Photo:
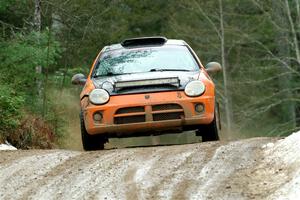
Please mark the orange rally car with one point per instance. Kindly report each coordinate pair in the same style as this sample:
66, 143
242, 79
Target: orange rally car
147, 86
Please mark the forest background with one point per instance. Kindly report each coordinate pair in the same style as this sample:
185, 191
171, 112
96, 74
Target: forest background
44, 42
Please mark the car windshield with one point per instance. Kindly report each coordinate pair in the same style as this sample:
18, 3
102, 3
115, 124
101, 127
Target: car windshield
150, 59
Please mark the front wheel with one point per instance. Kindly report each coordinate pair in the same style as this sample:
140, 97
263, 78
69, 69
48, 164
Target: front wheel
209, 132
90, 142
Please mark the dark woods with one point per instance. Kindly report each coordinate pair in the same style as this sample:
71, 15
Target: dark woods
44, 42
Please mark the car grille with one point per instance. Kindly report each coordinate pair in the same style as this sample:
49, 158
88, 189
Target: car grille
138, 114
129, 119
167, 116
131, 110
166, 107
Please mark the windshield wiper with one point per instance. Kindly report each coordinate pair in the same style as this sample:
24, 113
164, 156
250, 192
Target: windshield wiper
162, 70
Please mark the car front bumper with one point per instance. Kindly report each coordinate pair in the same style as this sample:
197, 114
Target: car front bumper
126, 114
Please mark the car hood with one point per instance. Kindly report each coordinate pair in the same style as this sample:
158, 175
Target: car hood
109, 82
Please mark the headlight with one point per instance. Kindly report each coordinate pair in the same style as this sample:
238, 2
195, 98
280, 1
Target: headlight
99, 96
194, 88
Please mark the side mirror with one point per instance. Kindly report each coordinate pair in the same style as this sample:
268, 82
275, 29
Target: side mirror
78, 79
213, 67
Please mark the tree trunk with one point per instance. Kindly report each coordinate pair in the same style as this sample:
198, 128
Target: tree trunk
37, 16
37, 27
293, 30
225, 80
283, 47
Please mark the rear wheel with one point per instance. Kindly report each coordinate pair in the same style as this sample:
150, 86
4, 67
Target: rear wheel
90, 142
209, 132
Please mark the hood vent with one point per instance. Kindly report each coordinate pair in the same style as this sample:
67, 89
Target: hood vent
144, 41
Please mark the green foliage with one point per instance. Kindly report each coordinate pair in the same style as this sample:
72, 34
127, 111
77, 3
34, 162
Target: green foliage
20, 56
4, 5
12, 15
10, 110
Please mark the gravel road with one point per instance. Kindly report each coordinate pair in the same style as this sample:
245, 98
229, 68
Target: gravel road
258, 168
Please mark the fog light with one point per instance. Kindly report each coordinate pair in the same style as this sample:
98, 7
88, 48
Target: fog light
98, 116
199, 108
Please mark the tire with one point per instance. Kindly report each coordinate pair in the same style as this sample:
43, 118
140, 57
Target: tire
209, 132
90, 142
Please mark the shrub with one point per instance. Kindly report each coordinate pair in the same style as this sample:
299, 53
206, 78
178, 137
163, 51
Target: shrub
32, 132
10, 110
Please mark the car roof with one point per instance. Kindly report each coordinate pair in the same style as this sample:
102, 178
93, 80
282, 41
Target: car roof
119, 46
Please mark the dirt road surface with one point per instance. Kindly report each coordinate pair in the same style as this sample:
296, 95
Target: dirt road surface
258, 168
